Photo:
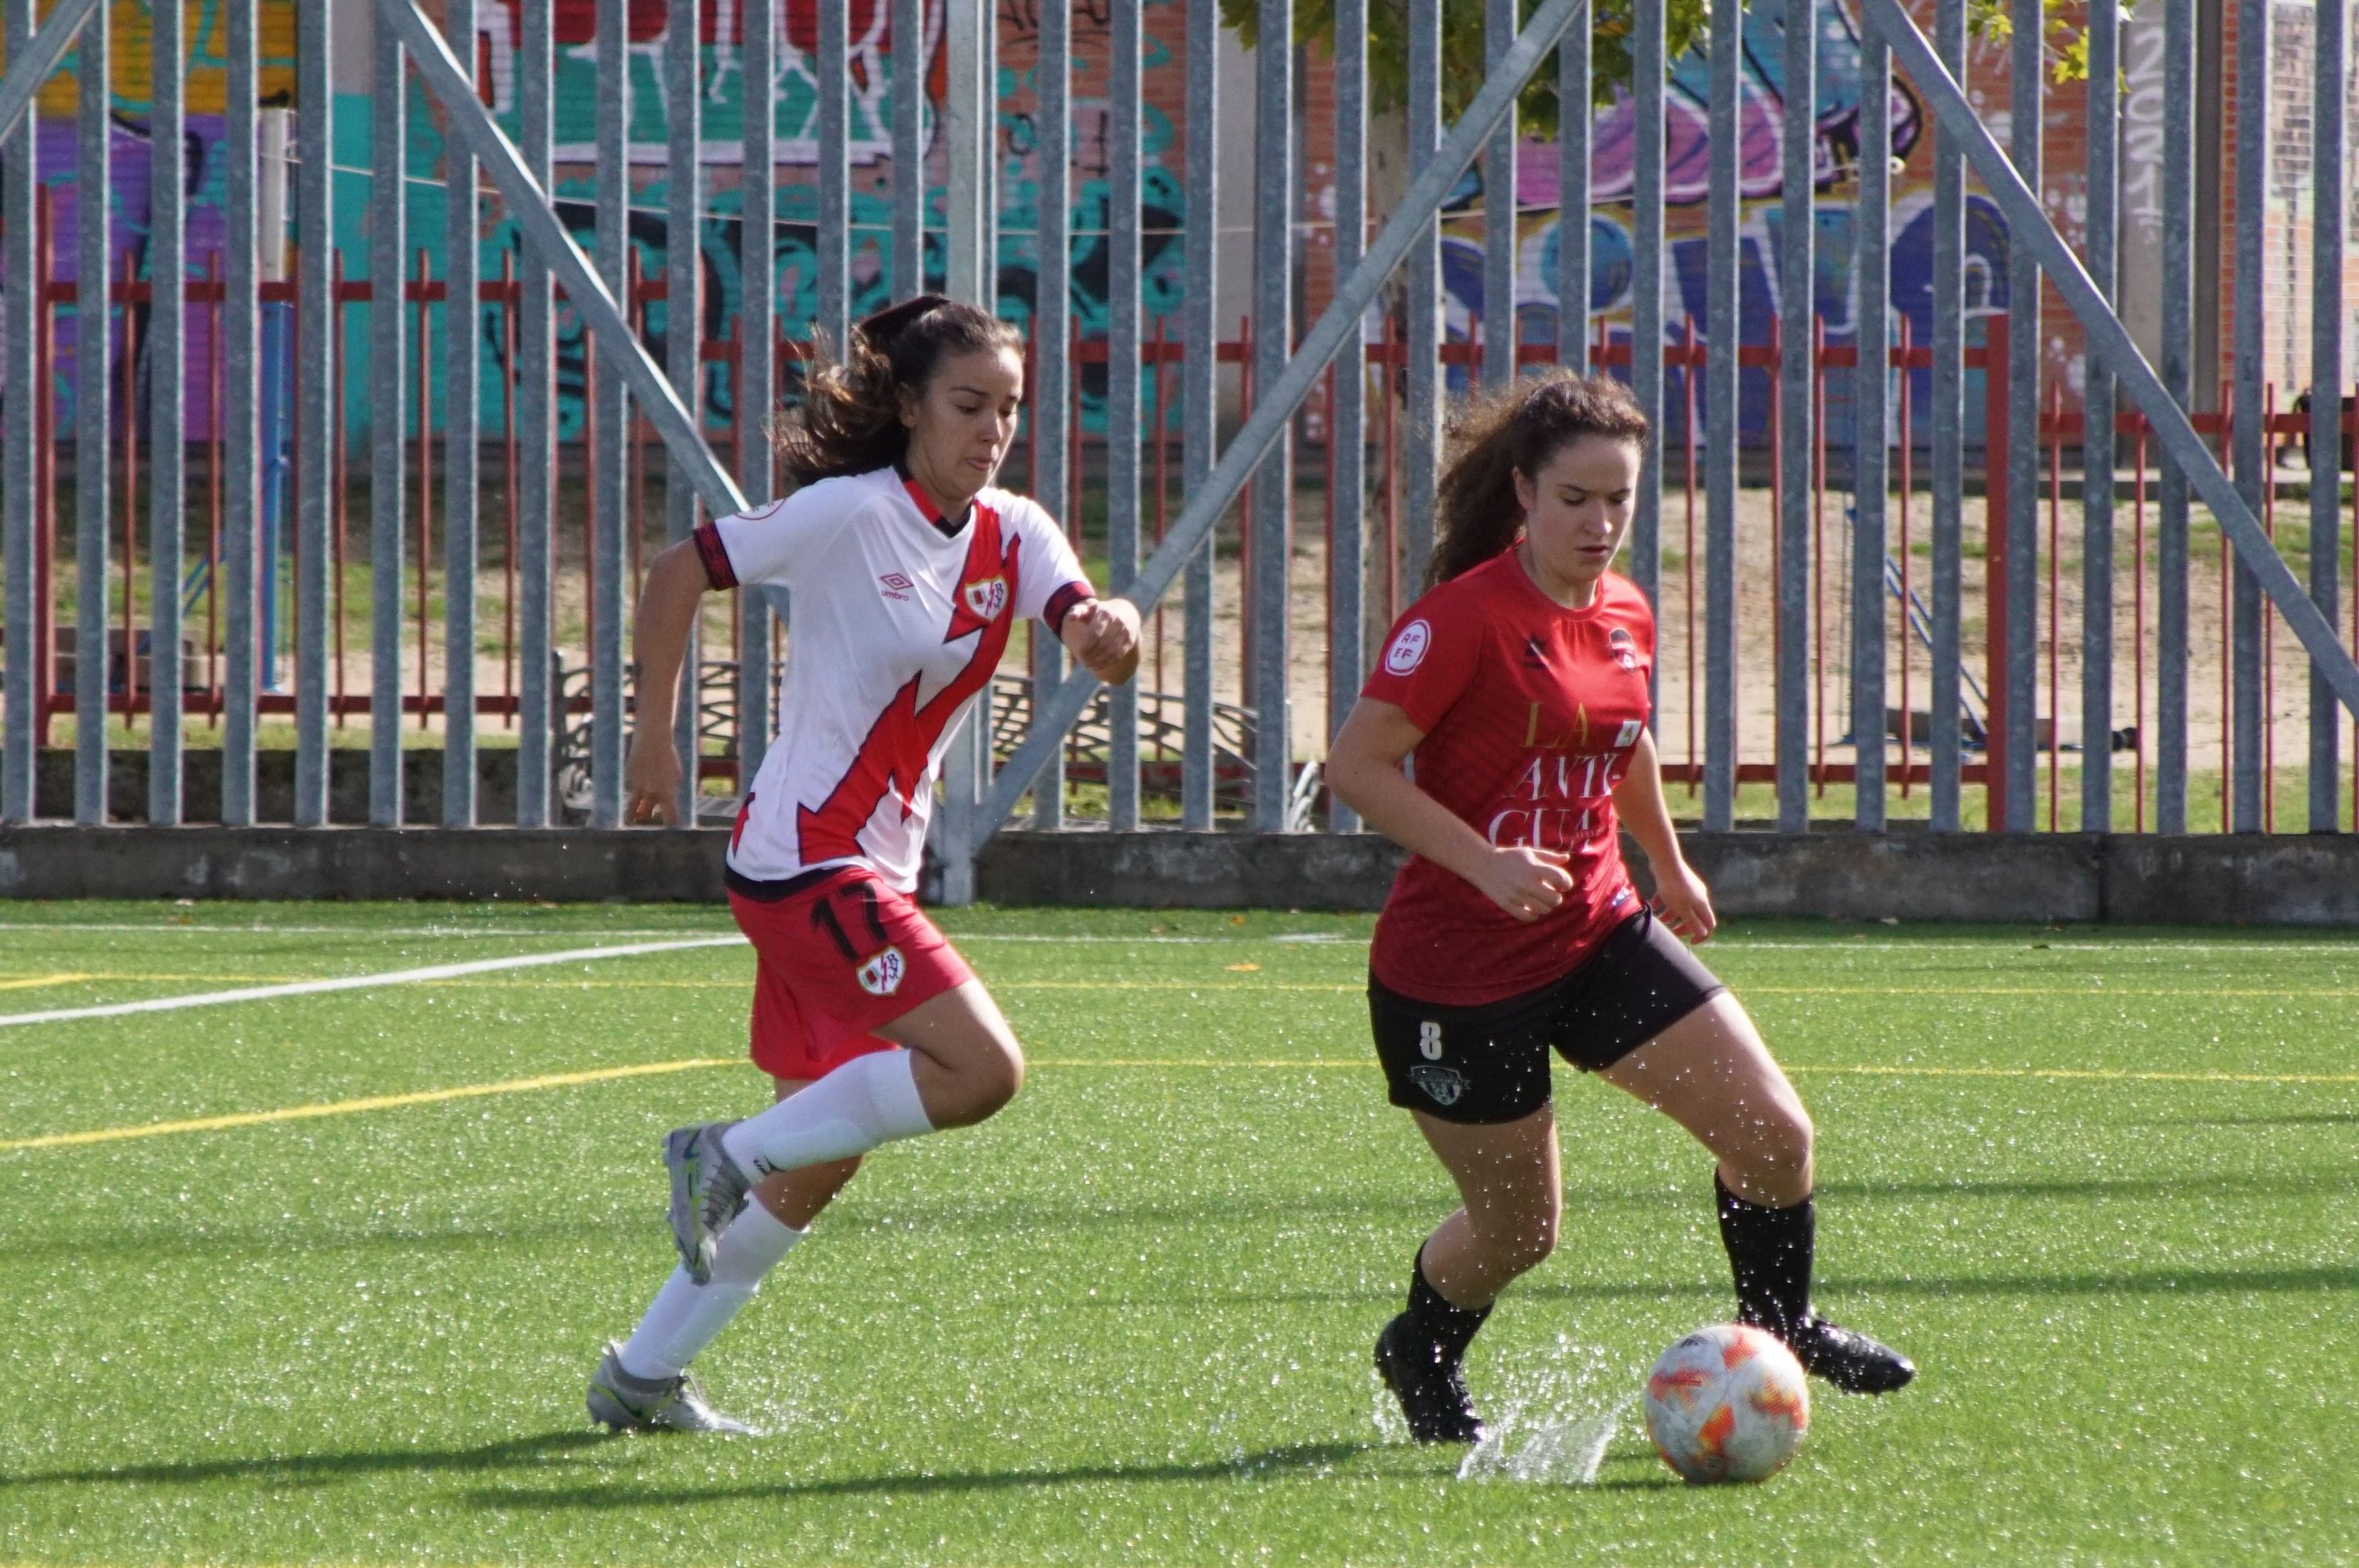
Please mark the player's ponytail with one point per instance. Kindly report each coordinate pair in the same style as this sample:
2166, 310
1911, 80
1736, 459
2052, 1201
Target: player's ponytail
1496, 435
849, 420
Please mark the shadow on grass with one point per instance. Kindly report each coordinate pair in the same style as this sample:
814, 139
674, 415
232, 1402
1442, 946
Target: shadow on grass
1269, 1463
2292, 1183
315, 1469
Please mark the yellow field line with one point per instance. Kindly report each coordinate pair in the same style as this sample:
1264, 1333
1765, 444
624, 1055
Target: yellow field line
649, 1069
371, 1102
34, 982
2103, 1074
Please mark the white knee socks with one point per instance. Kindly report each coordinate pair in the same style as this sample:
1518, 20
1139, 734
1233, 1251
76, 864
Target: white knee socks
687, 1317
869, 1100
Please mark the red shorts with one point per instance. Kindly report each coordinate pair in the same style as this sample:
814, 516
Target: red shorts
838, 960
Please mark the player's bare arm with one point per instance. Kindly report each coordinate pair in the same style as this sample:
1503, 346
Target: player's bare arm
1679, 894
676, 585
1103, 635
1363, 770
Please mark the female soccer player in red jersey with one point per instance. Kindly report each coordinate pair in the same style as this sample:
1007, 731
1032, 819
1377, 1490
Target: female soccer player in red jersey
909, 570
1520, 685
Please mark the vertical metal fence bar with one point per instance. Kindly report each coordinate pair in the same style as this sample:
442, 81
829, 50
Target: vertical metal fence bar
1946, 417
314, 405
2097, 434
834, 260
1498, 210
966, 128
758, 334
684, 345
1870, 384
1124, 103
1198, 402
17, 263
609, 428
2019, 629
93, 337
1647, 65
388, 402
909, 144
2178, 371
2249, 438
1348, 419
1421, 377
1794, 369
461, 445
1574, 121
1273, 483
241, 415
537, 473
2331, 200
1723, 328
167, 358
1052, 334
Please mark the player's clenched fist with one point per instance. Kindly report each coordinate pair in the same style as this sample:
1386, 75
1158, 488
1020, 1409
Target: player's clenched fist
1102, 634
651, 776
1527, 883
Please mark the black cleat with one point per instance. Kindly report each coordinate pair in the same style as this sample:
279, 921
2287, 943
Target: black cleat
1851, 1362
1432, 1393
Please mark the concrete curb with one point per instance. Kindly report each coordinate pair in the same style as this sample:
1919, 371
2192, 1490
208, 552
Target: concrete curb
568, 865
1914, 877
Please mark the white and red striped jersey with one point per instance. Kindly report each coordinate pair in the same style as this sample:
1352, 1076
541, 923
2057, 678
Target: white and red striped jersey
895, 627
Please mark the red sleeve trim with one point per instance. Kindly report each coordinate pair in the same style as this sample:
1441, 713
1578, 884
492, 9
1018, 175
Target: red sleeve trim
715, 557
1060, 604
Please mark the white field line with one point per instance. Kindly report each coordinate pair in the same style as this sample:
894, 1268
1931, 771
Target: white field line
2129, 946
360, 982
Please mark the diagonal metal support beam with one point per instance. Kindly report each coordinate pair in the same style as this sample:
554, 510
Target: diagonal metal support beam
2028, 223
1337, 324
553, 246
29, 69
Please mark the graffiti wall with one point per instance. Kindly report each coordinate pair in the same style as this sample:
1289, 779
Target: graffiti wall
876, 75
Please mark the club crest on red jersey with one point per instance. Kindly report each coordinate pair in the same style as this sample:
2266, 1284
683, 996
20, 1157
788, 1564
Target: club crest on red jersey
1623, 646
881, 976
986, 599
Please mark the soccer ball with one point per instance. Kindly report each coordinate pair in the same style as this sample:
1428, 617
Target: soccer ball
1727, 1403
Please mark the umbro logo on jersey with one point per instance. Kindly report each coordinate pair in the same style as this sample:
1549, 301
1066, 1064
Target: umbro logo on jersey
986, 599
895, 585
1535, 657
881, 976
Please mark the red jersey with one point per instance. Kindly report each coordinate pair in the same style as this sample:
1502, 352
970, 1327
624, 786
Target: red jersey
1530, 712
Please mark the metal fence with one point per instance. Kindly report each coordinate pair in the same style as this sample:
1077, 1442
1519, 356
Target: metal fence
1818, 619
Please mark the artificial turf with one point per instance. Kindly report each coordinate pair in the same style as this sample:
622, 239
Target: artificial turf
2099, 1183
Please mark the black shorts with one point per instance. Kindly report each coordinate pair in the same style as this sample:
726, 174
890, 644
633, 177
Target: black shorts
1489, 1061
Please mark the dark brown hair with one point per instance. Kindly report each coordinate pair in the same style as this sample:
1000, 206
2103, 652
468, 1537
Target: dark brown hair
849, 420
1496, 434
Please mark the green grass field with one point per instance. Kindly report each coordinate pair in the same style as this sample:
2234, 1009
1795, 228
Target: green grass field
2100, 1184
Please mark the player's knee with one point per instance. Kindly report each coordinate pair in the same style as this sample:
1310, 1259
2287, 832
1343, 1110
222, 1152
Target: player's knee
985, 1081
1521, 1241
1775, 1154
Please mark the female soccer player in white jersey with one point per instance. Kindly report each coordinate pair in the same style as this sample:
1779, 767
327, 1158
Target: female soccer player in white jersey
909, 570
1519, 681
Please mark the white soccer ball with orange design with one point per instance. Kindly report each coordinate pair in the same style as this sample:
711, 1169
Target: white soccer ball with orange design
1727, 1403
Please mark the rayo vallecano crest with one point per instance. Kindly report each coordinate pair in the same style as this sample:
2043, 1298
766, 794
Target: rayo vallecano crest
986, 599
881, 976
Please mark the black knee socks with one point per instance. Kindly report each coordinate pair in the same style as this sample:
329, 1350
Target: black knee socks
1435, 1322
1770, 1252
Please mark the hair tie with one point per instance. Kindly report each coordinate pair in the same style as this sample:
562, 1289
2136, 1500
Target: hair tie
879, 330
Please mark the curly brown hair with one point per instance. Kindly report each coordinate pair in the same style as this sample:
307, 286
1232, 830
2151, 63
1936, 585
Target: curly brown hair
1495, 435
849, 420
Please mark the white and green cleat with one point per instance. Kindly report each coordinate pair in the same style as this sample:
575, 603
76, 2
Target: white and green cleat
708, 1189
626, 1404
